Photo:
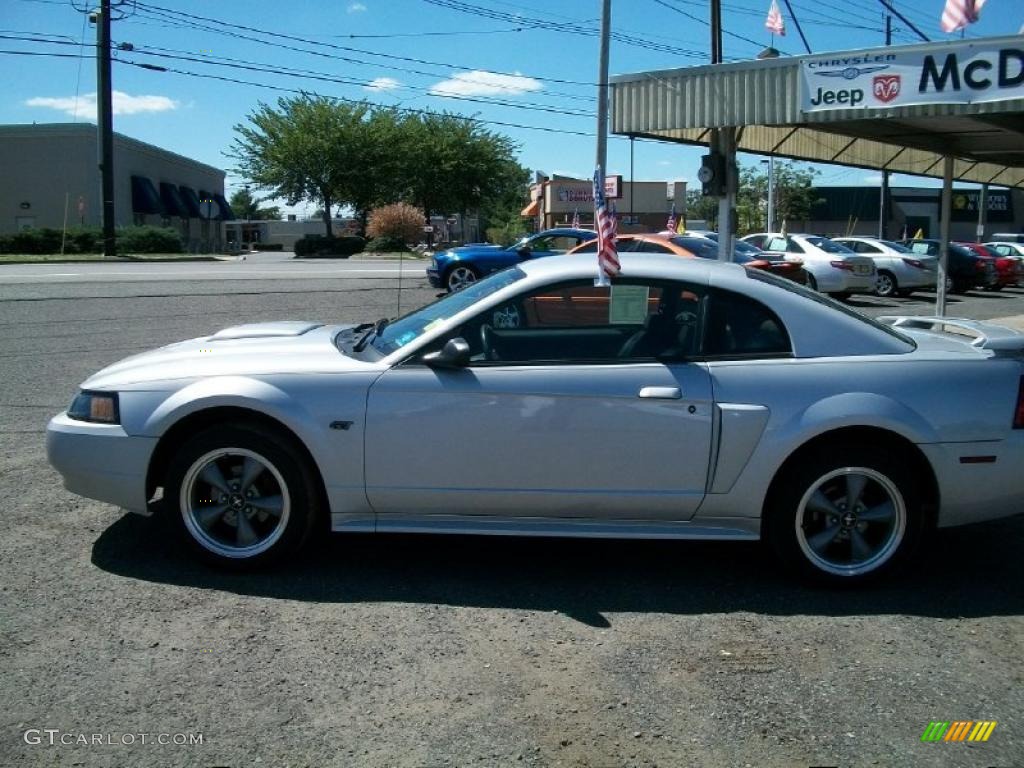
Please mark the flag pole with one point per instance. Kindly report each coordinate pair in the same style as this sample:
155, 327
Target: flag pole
602, 125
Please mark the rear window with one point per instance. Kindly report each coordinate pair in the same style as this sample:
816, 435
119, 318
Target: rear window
807, 293
895, 246
828, 246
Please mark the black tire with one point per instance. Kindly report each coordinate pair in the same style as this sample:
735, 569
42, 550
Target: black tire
819, 541
812, 283
887, 285
279, 505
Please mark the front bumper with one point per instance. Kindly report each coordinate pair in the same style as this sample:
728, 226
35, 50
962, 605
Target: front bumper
100, 461
434, 277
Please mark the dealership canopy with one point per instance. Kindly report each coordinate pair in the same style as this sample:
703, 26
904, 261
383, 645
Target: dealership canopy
902, 108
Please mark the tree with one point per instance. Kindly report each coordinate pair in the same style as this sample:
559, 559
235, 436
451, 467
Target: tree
247, 207
700, 207
794, 194
308, 148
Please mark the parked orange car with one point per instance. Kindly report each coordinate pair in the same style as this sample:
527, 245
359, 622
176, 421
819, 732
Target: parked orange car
693, 246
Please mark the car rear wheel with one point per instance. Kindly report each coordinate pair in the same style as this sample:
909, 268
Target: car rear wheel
459, 276
845, 517
811, 282
886, 284
241, 495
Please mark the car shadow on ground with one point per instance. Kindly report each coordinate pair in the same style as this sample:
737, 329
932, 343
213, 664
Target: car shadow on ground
963, 572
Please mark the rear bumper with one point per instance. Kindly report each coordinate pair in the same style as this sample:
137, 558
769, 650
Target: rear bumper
100, 461
973, 492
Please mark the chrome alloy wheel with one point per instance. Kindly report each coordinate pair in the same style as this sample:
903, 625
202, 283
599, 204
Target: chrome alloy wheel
851, 521
885, 285
460, 277
234, 502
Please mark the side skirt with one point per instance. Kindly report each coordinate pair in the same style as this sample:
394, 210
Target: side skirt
721, 529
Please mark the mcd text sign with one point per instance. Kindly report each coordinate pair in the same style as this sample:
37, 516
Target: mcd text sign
958, 73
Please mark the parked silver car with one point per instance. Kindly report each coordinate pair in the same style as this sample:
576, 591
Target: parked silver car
690, 399
900, 270
831, 268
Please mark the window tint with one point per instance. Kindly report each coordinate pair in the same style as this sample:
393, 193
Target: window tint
861, 247
580, 322
741, 326
827, 245
896, 246
699, 246
648, 246
555, 243
794, 247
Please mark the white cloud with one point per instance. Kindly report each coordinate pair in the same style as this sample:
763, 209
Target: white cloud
665, 162
123, 104
873, 179
356, 8
382, 84
479, 83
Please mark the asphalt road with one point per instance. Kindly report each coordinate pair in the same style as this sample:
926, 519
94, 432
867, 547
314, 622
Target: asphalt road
425, 651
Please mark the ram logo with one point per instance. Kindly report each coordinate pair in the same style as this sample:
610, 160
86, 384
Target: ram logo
886, 87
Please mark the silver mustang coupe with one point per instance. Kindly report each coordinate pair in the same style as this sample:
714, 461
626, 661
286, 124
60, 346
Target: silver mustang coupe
690, 399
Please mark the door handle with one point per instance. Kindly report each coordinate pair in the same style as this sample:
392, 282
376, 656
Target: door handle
661, 393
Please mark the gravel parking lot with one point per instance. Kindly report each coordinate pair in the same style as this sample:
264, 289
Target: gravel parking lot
405, 651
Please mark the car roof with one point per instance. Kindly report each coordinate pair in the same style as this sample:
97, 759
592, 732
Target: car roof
564, 231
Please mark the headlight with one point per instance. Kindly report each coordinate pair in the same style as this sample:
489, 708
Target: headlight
100, 407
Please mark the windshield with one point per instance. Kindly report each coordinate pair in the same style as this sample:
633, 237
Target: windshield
400, 332
698, 246
828, 246
748, 249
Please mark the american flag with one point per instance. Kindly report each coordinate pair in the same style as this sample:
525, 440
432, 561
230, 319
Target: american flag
959, 13
671, 224
576, 219
605, 224
775, 23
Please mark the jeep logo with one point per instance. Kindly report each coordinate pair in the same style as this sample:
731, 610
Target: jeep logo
851, 97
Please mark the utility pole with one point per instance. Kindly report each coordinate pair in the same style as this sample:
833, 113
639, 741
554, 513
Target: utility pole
982, 212
602, 87
105, 127
883, 218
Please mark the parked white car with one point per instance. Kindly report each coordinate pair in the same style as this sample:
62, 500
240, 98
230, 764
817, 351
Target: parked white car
831, 268
900, 270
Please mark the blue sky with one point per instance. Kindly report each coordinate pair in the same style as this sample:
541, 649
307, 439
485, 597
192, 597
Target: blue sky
538, 59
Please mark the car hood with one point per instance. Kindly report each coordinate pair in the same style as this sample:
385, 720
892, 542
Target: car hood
467, 251
294, 347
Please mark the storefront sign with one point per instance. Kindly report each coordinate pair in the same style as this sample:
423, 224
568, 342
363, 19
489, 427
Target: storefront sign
583, 191
960, 73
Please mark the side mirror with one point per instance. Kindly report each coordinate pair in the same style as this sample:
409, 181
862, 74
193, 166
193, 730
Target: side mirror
454, 354
524, 252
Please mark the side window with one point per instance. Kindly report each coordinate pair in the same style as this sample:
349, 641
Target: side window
646, 246
776, 244
583, 323
756, 240
794, 247
740, 326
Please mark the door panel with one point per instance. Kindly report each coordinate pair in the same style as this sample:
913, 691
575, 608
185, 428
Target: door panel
555, 440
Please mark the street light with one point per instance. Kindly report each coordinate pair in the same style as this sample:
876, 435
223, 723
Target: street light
770, 162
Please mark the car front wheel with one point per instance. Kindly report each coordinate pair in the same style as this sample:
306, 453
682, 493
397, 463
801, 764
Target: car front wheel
845, 517
241, 495
460, 276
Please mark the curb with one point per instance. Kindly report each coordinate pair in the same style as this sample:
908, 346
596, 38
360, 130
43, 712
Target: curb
120, 260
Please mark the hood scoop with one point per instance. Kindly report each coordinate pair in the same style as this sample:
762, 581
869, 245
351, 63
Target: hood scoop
282, 328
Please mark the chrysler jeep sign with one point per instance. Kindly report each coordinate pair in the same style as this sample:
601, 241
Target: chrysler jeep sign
953, 74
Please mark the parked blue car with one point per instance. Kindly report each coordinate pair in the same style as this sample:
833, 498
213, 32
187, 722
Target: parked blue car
458, 267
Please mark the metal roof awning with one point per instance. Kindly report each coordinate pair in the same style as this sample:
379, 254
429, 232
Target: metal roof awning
172, 201
902, 108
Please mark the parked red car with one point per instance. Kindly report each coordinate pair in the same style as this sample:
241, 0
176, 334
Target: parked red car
1007, 269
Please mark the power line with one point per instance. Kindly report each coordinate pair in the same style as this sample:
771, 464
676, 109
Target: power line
159, 12
708, 23
903, 18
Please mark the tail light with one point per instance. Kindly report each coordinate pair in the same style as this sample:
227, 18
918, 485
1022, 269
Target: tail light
843, 265
758, 264
914, 263
1018, 414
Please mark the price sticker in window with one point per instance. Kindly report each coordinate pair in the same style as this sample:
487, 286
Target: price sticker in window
629, 304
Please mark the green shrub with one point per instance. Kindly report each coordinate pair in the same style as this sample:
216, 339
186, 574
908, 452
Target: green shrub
317, 246
148, 239
32, 241
386, 244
